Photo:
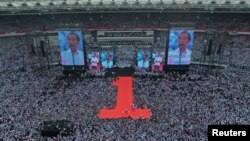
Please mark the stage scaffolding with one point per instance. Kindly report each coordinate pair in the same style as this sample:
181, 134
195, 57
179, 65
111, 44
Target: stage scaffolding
42, 50
211, 53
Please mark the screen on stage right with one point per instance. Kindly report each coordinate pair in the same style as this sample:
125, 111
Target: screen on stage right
180, 47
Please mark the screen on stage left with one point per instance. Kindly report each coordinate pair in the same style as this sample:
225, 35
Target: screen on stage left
180, 47
71, 48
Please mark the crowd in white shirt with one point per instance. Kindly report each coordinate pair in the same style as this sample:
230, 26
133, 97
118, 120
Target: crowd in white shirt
182, 105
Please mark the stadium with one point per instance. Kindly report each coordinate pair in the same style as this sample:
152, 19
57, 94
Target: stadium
81, 70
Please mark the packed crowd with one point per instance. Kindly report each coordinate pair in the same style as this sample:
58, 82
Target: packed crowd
125, 56
234, 50
182, 105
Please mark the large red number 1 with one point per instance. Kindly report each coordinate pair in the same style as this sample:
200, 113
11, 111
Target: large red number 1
124, 102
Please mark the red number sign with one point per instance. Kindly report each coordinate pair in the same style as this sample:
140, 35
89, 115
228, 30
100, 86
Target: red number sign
124, 102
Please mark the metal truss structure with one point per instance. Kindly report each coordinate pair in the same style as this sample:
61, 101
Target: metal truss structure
13, 7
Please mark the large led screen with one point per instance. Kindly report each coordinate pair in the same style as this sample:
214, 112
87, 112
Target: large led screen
143, 59
94, 61
107, 59
71, 48
158, 60
180, 47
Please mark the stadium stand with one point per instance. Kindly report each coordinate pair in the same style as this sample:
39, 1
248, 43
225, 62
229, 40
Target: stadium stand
182, 104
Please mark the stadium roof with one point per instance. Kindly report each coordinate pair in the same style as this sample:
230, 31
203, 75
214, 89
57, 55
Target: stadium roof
45, 6
32, 2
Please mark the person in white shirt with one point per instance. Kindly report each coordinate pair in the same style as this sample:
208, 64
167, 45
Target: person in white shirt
181, 55
158, 62
108, 62
143, 63
95, 62
73, 56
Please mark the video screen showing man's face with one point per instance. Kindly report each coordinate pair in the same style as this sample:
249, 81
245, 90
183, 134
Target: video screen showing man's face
71, 47
180, 47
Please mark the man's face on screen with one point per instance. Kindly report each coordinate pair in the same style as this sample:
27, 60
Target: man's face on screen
73, 42
183, 40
